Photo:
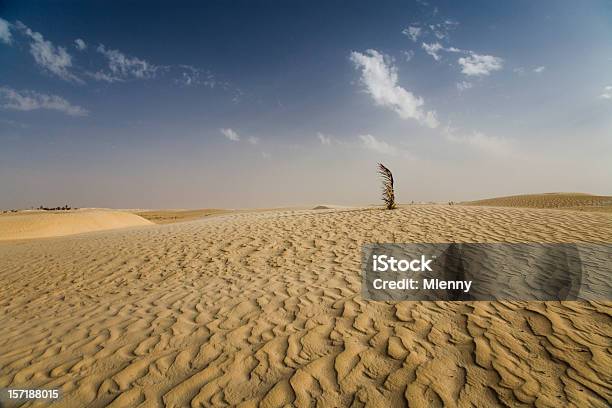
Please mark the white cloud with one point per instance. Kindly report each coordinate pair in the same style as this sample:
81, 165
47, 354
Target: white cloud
539, 69
408, 55
104, 76
124, 67
31, 100
325, 140
498, 146
480, 65
266, 155
192, 76
253, 140
453, 49
52, 58
464, 85
5, 32
80, 45
230, 134
371, 143
433, 50
440, 35
607, 94
380, 80
441, 30
119, 66
413, 32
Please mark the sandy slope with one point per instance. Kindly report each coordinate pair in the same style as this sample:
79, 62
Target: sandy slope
249, 308
41, 224
570, 201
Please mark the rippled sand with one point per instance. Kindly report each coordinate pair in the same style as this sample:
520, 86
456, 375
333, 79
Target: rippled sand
570, 201
265, 308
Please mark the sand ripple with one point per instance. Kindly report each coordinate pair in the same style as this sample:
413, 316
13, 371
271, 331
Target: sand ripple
251, 309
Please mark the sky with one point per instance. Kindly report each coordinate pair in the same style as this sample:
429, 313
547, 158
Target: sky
240, 104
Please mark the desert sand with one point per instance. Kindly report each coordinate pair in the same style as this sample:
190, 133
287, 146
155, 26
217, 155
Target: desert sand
566, 201
41, 224
171, 216
265, 308
180, 215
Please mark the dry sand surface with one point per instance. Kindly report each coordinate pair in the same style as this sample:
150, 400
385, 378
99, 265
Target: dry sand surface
41, 224
265, 308
170, 216
567, 201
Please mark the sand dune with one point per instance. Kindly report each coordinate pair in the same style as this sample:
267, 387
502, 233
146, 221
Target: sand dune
265, 308
568, 201
43, 224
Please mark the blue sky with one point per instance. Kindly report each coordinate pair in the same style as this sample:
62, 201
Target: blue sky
242, 104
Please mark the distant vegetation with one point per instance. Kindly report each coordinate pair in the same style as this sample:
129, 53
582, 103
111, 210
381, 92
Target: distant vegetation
43, 208
64, 208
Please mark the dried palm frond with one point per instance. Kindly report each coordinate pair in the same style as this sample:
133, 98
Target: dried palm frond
388, 195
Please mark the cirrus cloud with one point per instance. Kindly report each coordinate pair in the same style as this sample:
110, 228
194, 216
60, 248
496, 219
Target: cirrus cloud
123, 66
463, 86
414, 32
192, 76
30, 100
116, 65
51, 58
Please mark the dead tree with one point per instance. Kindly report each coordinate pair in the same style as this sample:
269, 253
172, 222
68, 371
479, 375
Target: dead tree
388, 194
